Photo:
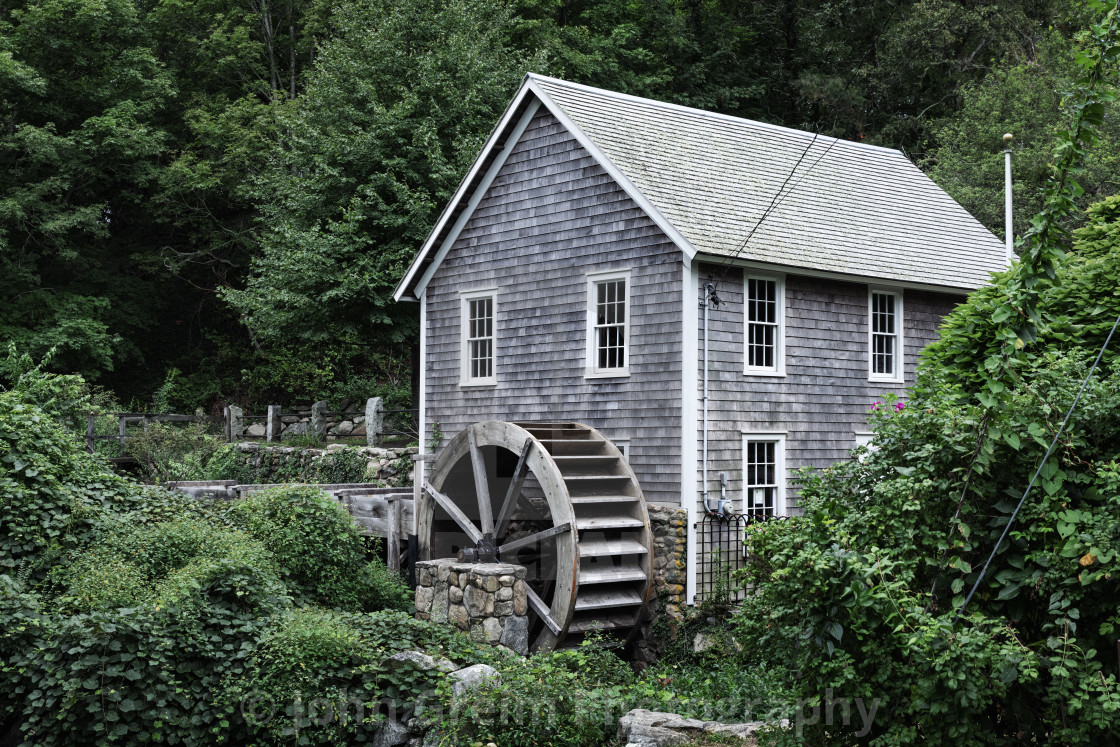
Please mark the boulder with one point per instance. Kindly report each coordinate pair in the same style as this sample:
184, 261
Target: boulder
417, 660
642, 728
469, 678
256, 430
391, 734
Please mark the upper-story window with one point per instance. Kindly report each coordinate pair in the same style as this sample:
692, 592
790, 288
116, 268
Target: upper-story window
764, 328
478, 338
885, 335
608, 305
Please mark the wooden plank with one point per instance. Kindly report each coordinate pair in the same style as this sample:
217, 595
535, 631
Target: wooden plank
610, 575
532, 539
609, 522
605, 547
514, 492
538, 606
481, 484
594, 600
454, 512
394, 539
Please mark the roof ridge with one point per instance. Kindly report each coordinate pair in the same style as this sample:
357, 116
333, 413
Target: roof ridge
630, 98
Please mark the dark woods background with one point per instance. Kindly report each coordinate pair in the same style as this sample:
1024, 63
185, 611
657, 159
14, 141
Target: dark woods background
206, 201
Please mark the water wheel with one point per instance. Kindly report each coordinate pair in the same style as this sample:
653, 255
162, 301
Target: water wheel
557, 498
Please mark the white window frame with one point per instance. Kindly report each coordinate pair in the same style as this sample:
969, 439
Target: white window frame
779, 367
780, 477
465, 378
898, 375
593, 281
623, 445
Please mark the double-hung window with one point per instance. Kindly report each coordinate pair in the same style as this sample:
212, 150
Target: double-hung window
764, 309
763, 474
885, 335
478, 334
608, 306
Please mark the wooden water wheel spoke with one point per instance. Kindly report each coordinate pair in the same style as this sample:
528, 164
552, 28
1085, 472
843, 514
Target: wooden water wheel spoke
516, 484
543, 612
532, 539
481, 485
572, 514
453, 511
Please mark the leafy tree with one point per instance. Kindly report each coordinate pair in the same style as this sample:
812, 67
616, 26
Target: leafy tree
396, 108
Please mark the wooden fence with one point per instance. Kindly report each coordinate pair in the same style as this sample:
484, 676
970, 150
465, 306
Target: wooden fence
380, 423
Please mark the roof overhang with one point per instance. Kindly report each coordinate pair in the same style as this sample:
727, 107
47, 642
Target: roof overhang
530, 97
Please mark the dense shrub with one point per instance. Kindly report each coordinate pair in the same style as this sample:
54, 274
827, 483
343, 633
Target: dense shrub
861, 595
319, 549
560, 698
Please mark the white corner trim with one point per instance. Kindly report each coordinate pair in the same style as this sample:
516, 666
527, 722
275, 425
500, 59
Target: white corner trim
464, 186
423, 416
690, 423
627, 186
899, 376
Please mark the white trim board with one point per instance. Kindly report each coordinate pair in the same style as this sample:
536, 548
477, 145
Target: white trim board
690, 422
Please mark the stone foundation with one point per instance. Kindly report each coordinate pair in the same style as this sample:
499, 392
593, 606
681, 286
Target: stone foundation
489, 601
666, 608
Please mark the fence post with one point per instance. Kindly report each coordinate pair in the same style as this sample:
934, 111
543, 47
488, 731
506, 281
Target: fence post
122, 425
394, 538
235, 423
227, 417
273, 424
319, 419
89, 432
375, 420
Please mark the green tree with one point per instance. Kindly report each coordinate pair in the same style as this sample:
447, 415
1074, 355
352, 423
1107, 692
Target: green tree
396, 108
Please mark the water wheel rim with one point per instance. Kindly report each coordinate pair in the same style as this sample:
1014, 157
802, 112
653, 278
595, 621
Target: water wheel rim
495, 433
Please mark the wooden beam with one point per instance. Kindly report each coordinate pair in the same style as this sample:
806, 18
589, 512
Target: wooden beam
514, 492
460, 518
542, 611
481, 485
532, 539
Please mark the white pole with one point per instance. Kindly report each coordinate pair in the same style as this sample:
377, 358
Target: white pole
1009, 232
704, 399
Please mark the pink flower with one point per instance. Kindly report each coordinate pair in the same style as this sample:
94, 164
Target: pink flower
899, 406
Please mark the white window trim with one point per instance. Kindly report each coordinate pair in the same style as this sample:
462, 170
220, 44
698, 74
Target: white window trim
623, 445
592, 372
779, 368
465, 299
779, 438
899, 375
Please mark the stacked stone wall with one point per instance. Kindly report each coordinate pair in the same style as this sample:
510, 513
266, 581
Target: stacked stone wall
666, 609
489, 601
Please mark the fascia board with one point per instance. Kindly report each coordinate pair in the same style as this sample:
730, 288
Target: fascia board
596, 153
462, 191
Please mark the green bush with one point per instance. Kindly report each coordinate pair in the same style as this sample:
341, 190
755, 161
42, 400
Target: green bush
559, 698
319, 548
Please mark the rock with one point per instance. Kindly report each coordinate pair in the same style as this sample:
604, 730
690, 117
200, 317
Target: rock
478, 602
642, 728
493, 629
455, 594
295, 429
390, 734
424, 595
469, 678
256, 430
345, 428
457, 615
703, 642
504, 594
417, 660
490, 583
515, 634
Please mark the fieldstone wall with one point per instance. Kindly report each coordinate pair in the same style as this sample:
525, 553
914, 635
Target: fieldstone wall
487, 600
665, 610
390, 466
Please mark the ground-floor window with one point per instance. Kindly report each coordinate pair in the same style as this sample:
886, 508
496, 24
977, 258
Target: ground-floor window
763, 474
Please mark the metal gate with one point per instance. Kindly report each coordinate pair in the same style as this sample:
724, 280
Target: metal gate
721, 552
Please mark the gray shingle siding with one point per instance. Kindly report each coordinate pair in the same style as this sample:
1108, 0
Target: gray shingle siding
550, 217
823, 401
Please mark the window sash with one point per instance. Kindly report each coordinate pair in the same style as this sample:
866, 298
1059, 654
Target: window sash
763, 323
884, 335
760, 478
480, 338
609, 330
